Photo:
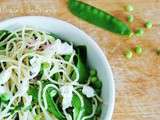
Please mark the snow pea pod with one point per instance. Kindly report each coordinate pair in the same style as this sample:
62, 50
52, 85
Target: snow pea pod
33, 91
98, 17
82, 63
53, 108
86, 110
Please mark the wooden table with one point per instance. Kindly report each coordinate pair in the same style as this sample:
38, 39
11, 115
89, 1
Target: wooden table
137, 80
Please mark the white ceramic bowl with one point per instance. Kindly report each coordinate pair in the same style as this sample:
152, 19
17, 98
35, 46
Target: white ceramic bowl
96, 57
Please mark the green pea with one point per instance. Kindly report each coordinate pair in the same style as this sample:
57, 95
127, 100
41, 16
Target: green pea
130, 18
98, 91
148, 24
82, 6
139, 32
98, 84
67, 57
93, 79
138, 49
98, 110
129, 8
28, 108
95, 11
128, 54
93, 72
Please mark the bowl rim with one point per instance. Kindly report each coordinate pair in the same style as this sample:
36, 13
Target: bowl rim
91, 41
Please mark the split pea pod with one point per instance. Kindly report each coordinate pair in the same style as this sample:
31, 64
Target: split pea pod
98, 17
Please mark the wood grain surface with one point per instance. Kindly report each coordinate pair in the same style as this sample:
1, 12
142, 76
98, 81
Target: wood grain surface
137, 80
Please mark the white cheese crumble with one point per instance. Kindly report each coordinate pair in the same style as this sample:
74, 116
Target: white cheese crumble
58, 48
3, 89
88, 91
35, 66
5, 75
66, 92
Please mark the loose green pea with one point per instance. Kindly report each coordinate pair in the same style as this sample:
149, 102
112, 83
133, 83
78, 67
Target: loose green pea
93, 72
139, 32
138, 49
148, 24
128, 54
129, 8
130, 18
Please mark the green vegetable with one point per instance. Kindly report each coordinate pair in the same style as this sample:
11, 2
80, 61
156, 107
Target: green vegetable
82, 64
99, 109
33, 91
55, 76
4, 97
67, 57
129, 8
3, 35
139, 32
130, 18
53, 108
98, 84
98, 17
93, 72
28, 108
44, 66
148, 24
37, 117
86, 110
128, 54
17, 107
98, 91
94, 79
138, 49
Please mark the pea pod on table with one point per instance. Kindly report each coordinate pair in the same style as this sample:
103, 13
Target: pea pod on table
98, 17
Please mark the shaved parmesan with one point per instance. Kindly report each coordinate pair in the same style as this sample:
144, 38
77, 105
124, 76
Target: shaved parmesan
88, 91
66, 92
35, 66
5, 76
58, 48
3, 89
